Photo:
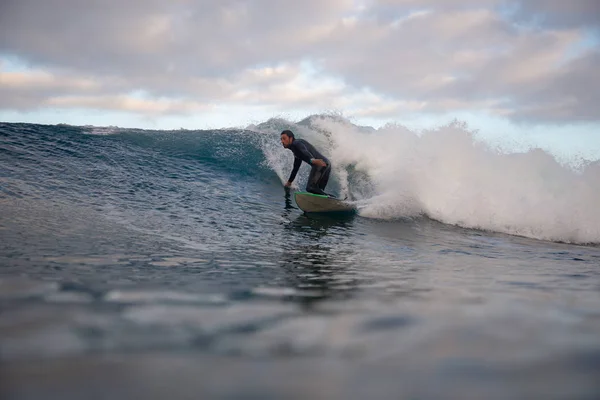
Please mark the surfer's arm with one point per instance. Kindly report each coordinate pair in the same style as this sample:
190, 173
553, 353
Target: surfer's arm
302, 154
306, 156
297, 163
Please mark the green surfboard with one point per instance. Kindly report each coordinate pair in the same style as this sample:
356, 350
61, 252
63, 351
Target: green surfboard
316, 203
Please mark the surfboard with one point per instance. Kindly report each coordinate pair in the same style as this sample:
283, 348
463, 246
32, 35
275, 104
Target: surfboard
317, 203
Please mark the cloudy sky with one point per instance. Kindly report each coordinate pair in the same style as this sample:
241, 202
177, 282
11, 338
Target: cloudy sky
217, 63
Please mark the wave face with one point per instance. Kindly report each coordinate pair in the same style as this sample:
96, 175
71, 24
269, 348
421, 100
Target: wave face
446, 174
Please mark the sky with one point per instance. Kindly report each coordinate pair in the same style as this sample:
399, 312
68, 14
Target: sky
507, 68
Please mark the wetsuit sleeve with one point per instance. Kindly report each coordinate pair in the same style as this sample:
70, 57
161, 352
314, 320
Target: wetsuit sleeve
297, 163
302, 153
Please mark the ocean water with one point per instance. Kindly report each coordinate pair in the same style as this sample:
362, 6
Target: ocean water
173, 264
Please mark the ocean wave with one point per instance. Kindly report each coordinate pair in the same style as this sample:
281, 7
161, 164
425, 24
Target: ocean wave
447, 174
451, 175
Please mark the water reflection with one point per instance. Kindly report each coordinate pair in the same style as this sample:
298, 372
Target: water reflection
316, 254
289, 208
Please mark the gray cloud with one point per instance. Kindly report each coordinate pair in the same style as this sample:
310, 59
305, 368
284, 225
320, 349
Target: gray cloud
573, 95
473, 58
202, 38
412, 56
559, 13
554, 13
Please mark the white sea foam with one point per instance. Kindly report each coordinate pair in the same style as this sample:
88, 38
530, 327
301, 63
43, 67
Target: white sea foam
451, 176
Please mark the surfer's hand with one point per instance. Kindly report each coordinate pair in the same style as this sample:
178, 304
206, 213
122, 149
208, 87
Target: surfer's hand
319, 162
288, 184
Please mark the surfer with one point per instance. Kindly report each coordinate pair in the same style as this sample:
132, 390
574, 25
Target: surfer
304, 151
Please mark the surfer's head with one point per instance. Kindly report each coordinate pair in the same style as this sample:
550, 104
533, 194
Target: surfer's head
287, 137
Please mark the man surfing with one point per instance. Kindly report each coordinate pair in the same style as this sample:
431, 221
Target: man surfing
304, 151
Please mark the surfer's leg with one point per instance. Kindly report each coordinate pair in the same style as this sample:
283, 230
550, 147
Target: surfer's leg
314, 178
317, 180
324, 177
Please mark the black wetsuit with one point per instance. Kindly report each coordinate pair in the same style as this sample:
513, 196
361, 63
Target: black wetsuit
317, 180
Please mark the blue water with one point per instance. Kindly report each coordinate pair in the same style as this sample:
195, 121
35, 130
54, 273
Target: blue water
159, 264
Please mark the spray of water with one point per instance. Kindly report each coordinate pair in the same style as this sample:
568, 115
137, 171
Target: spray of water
448, 175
